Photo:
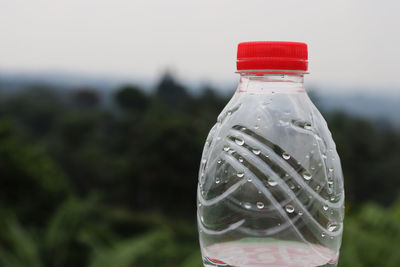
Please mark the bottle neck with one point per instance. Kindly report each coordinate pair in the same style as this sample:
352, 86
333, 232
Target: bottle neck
266, 82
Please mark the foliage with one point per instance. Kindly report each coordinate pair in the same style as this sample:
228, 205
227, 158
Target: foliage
83, 183
372, 237
370, 156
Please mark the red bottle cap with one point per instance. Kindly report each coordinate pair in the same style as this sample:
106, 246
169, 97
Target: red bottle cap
272, 56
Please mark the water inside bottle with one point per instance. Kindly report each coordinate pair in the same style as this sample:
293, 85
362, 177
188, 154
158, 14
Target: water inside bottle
255, 252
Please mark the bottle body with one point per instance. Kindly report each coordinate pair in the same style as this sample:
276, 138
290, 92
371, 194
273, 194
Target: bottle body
270, 189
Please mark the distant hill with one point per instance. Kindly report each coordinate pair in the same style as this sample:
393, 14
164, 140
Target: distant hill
13, 81
376, 106
372, 105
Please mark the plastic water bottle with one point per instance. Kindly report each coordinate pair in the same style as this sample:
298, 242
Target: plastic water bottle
270, 189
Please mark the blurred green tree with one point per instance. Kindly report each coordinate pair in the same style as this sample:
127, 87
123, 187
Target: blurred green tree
170, 92
31, 185
131, 98
86, 97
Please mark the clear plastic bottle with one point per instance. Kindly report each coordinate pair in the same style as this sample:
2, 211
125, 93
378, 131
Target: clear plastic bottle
270, 189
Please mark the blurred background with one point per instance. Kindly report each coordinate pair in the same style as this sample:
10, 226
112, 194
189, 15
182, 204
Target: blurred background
105, 106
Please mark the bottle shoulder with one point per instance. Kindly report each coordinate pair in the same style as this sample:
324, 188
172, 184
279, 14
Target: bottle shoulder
281, 128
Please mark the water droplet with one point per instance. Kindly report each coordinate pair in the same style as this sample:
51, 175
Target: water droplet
307, 126
307, 156
225, 171
258, 118
306, 175
226, 147
312, 168
283, 122
243, 129
218, 138
256, 127
247, 205
199, 205
249, 179
285, 155
330, 180
292, 186
325, 207
217, 180
240, 174
240, 159
265, 103
256, 151
300, 213
333, 198
260, 205
239, 140
202, 218
323, 156
333, 226
323, 234
231, 151
318, 187
229, 113
219, 161
204, 161
330, 169
289, 208
271, 181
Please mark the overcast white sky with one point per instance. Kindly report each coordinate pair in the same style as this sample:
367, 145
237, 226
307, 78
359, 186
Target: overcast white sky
351, 43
